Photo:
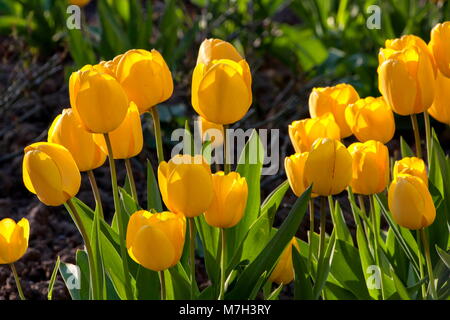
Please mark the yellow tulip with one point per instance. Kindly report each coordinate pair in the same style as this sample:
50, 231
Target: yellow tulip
304, 132
440, 46
186, 185
412, 166
370, 167
13, 239
97, 99
440, 109
110, 66
335, 100
50, 172
145, 77
212, 131
410, 202
229, 201
295, 170
371, 119
156, 240
216, 49
406, 75
80, 3
127, 140
67, 131
284, 269
328, 167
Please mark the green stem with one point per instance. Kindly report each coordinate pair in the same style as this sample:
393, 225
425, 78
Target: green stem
96, 192
123, 248
157, 128
311, 232
421, 271
163, 285
426, 117
323, 222
226, 149
87, 243
415, 126
131, 181
192, 255
17, 279
222, 264
375, 243
426, 247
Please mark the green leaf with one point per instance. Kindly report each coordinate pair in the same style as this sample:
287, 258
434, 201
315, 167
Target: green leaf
405, 149
400, 288
53, 279
342, 231
366, 260
275, 293
272, 202
445, 257
153, 195
303, 289
324, 269
147, 284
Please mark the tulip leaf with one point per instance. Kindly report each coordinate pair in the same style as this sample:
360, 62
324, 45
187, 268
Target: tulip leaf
53, 279
153, 195
367, 261
400, 288
405, 149
128, 204
342, 232
147, 284
303, 289
324, 269
445, 256
272, 202
275, 293
181, 283
98, 276
397, 256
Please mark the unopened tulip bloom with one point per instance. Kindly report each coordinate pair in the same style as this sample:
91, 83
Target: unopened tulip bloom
440, 46
110, 66
304, 132
440, 109
221, 84
229, 201
284, 269
80, 3
50, 172
97, 99
371, 119
211, 131
410, 202
13, 239
335, 100
328, 167
295, 171
145, 77
370, 167
127, 140
413, 166
185, 183
68, 132
406, 75
156, 240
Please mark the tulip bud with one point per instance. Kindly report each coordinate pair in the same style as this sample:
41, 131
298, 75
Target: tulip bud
229, 201
371, 119
406, 75
410, 202
127, 140
284, 269
211, 131
13, 239
80, 3
216, 49
295, 169
328, 167
156, 241
304, 132
97, 99
412, 166
68, 132
186, 185
335, 100
50, 172
440, 47
440, 109
145, 77
370, 167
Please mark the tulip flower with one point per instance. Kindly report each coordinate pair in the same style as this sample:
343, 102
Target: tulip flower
97, 99
412, 166
440, 47
127, 140
304, 132
221, 83
328, 167
371, 119
406, 75
186, 185
229, 201
284, 269
156, 240
370, 167
410, 202
145, 77
110, 66
80, 3
68, 132
440, 109
50, 172
295, 170
13, 239
335, 100
211, 131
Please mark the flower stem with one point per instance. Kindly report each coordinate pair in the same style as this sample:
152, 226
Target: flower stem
226, 149
426, 247
311, 232
375, 243
222, 264
17, 279
123, 249
96, 192
421, 271
323, 222
415, 126
163, 285
192, 255
426, 117
131, 181
157, 128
